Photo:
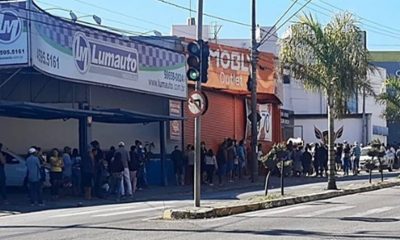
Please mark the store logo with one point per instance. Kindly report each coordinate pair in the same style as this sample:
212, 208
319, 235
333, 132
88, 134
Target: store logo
10, 26
81, 52
92, 54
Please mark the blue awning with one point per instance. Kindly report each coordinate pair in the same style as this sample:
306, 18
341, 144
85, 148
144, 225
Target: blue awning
50, 112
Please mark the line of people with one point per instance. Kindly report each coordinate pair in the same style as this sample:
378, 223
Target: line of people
228, 162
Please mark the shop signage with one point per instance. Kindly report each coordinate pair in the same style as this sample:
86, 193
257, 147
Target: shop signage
229, 69
197, 103
13, 33
264, 125
72, 51
175, 126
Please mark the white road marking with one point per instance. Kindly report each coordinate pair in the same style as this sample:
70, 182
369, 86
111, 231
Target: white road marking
277, 211
324, 211
127, 212
374, 211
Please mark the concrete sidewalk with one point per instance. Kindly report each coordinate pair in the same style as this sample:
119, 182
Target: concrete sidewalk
274, 199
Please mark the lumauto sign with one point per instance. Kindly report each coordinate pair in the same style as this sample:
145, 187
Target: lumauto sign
229, 69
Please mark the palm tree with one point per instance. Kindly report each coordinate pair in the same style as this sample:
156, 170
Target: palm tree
330, 59
391, 97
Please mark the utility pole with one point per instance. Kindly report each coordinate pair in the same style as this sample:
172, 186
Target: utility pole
254, 46
197, 120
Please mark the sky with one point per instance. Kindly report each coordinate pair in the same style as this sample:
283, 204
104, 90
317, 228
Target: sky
381, 19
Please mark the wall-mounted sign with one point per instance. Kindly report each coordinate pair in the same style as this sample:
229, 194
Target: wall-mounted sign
175, 126
13, 33
72, 51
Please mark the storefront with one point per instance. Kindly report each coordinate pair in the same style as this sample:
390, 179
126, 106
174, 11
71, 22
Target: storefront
229, 99
65, 84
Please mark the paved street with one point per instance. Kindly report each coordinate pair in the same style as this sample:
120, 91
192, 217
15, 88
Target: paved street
371, 215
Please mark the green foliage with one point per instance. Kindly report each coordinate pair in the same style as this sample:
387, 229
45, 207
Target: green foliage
274, 156
328, 58
391, 97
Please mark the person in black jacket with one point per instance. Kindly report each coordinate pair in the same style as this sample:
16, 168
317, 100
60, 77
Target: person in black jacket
117, 169
178, 161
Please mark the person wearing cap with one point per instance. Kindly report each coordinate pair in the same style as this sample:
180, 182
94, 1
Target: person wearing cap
34, 177
126, 179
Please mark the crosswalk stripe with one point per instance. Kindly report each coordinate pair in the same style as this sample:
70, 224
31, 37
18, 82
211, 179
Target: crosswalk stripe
374, 211
324, 211
273, 212
128, 212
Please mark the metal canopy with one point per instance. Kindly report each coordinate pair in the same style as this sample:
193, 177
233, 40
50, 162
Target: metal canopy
47, 112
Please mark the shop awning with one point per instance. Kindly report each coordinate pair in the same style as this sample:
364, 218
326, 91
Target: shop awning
48, 112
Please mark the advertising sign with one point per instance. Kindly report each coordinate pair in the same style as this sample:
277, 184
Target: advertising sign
264, 124
13, 33
175, 126
229, 69
80, 53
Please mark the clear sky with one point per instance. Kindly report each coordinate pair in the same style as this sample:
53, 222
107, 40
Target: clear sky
381, 19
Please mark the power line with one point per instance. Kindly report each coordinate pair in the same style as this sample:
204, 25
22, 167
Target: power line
294, 14
277, 21
205, 14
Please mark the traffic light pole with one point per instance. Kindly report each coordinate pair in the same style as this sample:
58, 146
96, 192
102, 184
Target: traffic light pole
254, 170
197, 120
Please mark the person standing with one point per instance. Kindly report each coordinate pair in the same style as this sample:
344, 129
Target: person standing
230, 159
356, 152
117, 170
56, 173
221, 161
317, 159
3, 192
211, 166
297, 161
346, 160
242, 155
76, 171
177, 160
190, 156
306, 161
33, 167
133, 165
126, 179
87, 168
203, 152
67, 169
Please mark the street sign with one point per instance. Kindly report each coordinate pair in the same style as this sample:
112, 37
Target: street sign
197, 103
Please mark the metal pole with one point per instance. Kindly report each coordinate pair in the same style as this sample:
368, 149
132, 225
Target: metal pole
254, 133
197, 120
364, 121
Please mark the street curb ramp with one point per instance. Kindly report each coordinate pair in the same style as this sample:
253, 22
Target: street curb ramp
243, 206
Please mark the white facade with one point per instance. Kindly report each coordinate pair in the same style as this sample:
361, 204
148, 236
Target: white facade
313, 104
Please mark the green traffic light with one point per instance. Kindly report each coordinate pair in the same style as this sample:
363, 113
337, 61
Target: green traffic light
193, 74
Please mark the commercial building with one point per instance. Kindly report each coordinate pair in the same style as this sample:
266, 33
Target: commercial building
227, 93
64, 84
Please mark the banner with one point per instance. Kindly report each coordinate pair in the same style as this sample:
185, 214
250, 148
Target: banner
229, 69
13, 33
175, 126
264, 123
69, 50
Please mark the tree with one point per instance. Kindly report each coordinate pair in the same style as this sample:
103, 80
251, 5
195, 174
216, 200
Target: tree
330, 59
391, 97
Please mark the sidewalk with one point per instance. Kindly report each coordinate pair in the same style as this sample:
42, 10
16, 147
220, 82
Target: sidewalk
18, 200
292, 195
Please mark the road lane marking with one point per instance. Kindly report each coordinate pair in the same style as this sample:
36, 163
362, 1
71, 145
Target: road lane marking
128, 212
273, 212
373, 211
324, 211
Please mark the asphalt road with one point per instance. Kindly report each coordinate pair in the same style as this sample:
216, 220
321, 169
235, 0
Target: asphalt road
371, 215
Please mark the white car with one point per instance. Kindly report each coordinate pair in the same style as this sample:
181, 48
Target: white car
15, 169
387, 161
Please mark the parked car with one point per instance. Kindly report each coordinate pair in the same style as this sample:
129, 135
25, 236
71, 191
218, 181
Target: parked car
15, 170
387, 161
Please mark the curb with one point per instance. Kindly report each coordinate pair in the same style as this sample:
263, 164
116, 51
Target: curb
247, 206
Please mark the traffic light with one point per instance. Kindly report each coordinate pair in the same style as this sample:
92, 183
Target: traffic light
249, 84
205, 51
193, 61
